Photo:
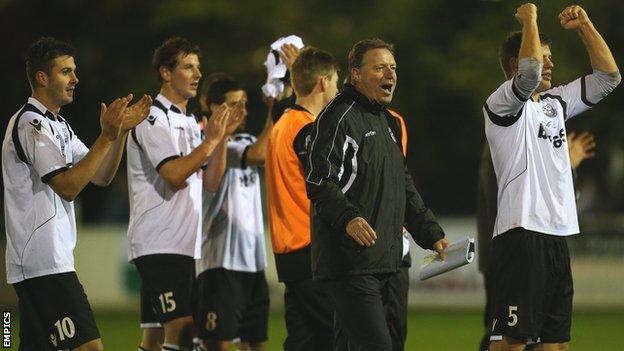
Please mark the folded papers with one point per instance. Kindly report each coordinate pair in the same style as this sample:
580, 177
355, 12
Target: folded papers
459, 253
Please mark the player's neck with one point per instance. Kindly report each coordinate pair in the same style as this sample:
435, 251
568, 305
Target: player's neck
535, 97
46, 101
313, 103
178, 100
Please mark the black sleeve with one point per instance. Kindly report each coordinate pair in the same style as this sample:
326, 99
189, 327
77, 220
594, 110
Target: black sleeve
300, 143
324, 158
420, 221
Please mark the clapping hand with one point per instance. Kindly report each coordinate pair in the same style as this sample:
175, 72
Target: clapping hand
215, 128
237, 115
136, 113
112, 116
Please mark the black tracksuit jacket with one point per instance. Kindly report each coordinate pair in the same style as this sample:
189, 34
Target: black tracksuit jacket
356, 168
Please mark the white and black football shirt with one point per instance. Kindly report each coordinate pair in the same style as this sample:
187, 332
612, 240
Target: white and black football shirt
233, 224
40, 225
528, 143
163, 220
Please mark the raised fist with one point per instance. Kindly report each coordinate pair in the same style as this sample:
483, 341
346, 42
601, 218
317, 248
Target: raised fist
572, 17
526, 13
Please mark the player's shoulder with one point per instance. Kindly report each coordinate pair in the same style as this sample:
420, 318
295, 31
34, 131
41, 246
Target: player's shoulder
293, 118
29, 118
156, 114
338, 106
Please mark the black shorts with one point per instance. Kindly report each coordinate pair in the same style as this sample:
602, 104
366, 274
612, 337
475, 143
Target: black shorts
54, 313
166, 287
532, 283
232, 305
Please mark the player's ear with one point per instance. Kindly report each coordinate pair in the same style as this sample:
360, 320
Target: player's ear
355, 75
324, 83
165, 73
41, 78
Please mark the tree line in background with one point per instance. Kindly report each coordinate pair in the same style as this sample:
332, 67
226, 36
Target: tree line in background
447, 65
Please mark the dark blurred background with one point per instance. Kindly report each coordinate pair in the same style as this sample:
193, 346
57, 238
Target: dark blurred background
447, 65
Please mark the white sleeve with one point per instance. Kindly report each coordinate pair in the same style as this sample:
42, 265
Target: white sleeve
37, 141
583, 93
154, 137
504, 106
79, 149
236, 154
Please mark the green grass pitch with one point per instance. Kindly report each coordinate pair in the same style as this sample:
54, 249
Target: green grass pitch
427, 331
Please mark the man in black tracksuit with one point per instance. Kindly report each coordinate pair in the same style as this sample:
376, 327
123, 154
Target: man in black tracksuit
363, 196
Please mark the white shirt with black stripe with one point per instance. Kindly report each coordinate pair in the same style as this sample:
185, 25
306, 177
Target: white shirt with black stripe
233, 223
528, 143
163, 220
40, 225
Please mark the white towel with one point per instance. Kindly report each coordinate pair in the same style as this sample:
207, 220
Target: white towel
276, 69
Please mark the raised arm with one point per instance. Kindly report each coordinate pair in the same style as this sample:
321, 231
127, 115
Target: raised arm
69, 183
505, 104
217, 163
530, 57
575, 18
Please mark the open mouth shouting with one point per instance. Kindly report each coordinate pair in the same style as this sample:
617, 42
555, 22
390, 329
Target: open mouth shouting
387, 88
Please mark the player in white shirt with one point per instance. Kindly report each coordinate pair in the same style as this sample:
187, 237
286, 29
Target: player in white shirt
233, 296
525, 128
165, 158
44, 167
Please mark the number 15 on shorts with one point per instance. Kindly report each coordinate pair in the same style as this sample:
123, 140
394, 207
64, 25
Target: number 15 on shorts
513, 316
167, 303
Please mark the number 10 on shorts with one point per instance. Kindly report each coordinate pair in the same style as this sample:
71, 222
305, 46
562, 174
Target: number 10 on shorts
513, 316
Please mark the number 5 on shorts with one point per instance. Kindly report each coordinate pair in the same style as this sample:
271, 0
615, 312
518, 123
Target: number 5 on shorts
513, 316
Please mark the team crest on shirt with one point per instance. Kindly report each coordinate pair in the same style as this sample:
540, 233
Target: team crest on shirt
36, 124
549, 110
151, 119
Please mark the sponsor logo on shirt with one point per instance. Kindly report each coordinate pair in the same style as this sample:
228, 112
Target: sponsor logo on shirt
371, 133
248, 179
557, 140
